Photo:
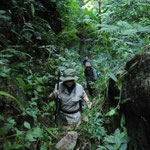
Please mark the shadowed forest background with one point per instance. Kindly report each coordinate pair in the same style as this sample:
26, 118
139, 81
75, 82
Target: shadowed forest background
40, 37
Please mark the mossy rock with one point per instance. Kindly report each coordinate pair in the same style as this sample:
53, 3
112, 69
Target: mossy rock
136, 88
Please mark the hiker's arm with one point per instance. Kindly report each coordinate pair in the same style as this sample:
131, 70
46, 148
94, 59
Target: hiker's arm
54, 94
95, 75
86, 99
89, 104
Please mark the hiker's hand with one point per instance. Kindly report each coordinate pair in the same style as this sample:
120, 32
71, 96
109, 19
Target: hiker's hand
55, 93
89, 104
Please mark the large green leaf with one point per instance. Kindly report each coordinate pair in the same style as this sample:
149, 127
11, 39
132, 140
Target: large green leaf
13, 98
117, 137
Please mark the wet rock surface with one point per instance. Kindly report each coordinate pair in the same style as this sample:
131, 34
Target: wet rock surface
68, 142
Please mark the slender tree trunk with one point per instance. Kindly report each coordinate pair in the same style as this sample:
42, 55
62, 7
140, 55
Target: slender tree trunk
99, 4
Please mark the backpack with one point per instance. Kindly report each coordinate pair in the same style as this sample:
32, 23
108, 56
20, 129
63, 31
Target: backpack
98, 74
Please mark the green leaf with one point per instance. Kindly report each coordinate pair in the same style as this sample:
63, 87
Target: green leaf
19, 133
10, 96
4, 138
123, 147
110, 139
110, 147
3, 16
21, 83
37, 132
14, 51
112, 112
125, 139
7, 145
117, 133
3, 61
32, 10
122, 122
132, 66
29, 137
119, 84
112, 76
43, 147
1, 117
117, 137
109, 28
27, 125
2, 12
39, 88
40, 80
15, 145
5, 71
101, 148
52, 132
9, 125
122, 101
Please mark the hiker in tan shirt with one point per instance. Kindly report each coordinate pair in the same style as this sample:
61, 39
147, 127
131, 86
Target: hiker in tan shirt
70, 95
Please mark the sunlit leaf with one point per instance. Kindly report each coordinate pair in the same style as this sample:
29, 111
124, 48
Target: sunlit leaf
112, 112
112, 76
27, 125
32, 9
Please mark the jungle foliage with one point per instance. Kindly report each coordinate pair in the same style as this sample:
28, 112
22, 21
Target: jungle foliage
38, 37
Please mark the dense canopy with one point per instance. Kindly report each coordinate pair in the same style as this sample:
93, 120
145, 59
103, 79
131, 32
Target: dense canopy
40, 37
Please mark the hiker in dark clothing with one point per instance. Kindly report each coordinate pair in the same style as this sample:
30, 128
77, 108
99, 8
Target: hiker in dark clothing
86, 60
91, 76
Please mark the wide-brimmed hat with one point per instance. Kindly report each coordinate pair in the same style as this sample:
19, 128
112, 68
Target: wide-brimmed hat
88, 64
69, 74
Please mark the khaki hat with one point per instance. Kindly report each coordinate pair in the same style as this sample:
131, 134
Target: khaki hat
88, 64
69, 74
